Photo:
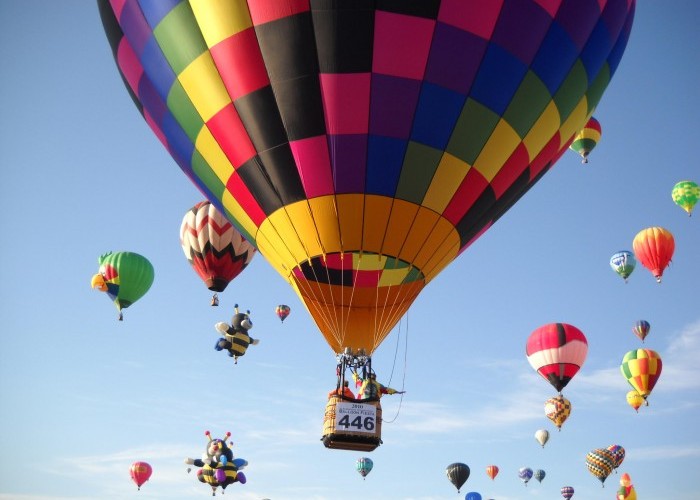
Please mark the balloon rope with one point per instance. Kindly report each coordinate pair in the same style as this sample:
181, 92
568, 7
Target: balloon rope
405, 364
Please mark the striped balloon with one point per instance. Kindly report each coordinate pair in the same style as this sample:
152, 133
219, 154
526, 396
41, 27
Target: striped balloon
586, 139
600, 463
557, 351
641, 329
567, 492
642, 369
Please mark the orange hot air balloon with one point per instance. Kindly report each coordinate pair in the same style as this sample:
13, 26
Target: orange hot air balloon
654, 247
492, 471
140, 473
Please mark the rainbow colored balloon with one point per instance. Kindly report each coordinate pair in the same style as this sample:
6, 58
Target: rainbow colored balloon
586, 139
362, 146
642, 369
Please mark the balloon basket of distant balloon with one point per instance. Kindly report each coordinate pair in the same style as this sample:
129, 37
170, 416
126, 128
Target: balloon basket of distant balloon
352, 425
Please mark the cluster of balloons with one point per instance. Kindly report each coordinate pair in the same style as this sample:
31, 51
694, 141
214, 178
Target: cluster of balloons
652, 246
602, 461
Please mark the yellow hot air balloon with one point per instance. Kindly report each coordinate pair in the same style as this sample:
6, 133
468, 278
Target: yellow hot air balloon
635, 400
557, 409
586, 139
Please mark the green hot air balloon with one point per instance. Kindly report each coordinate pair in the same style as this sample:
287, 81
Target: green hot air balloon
125, 276
685, 194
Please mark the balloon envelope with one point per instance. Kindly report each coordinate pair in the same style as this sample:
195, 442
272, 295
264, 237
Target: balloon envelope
542, 436
472, 495
586, 139
282, 311
600, 463
618, 454
557, 351
654, 247
140, 472
634, 399
525, 474
557, 409
125, 276
364, 466
362, 146
567, 491
492, 471
539, 475
213, 247
623, 263
457, 473
642, 369
686, 194
641, 329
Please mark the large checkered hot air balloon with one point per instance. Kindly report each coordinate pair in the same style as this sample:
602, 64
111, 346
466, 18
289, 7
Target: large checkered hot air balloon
557, 351
362, 146
600, 463
214, 248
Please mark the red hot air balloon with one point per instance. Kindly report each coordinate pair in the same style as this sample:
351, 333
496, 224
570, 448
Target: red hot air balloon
140, 473
557, 351
215, 249
492, 471
654, 247
282, 311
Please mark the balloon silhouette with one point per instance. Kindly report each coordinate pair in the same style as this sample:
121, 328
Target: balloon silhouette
542, 436
586, 139
492, 471
361, 147
458, 473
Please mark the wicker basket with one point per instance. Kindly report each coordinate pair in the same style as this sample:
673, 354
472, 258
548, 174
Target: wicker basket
346, 438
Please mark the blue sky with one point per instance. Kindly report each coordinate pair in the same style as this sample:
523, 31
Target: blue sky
83, 395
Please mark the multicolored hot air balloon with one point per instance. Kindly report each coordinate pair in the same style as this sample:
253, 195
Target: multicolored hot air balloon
364, 466
525, 474
542, 436
557, 409
626, 490
492, 471
586, 139
361, 147
654, 247
125, 276
458, 473
140, 472
686, 194
623, 263
600, 463
539, 475
642, 369
282, 311
557, 351
213, 247
618, 454
641, 329
634, 399
567, 492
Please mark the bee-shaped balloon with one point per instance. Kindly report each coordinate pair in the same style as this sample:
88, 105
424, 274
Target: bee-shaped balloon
235, 336
218, 467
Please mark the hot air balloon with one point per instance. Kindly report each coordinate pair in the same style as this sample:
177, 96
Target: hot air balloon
472, 495
539, 475
282, 311
364, 466
125, 276
492, 471
641, 329
586, 139
140, 473
600, 463
642, 369
557, 410
634, 399
654, 247
567, 492
686, 194
542, 436
525, 474
213, 247
557, 351
626, 490
362, 147
457, 473
618, 454
219, 468
623, 263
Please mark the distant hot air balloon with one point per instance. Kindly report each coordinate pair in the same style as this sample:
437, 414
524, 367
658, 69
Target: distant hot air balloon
557, 410
213, 247
641, 329
626, 490
282, 311
686, 194
525, 474
618, 454
557, 351
567, 492
642, 369
457, 473
140, 473
542, 436
600, 463
623, 263
586, 139
634, 399
539, 475
654, 247
125, 276
364, 466
362, 146
492, 471
472, 495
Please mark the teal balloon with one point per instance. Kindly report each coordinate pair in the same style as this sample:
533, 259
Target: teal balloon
623, 263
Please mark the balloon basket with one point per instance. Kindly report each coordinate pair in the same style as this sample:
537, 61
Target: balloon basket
352, 425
